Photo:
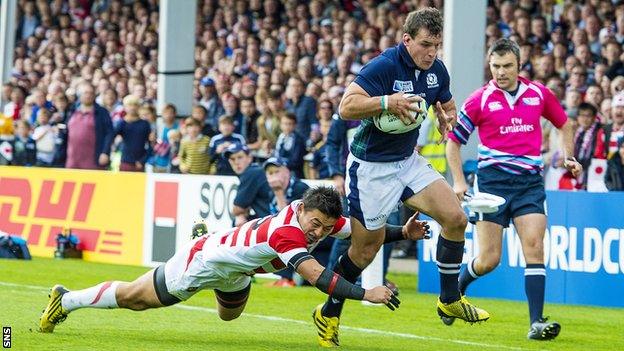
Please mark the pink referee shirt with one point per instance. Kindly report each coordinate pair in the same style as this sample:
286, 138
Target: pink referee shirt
509, 126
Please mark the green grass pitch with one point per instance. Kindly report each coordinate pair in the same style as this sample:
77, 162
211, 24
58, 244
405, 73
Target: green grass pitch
276, 319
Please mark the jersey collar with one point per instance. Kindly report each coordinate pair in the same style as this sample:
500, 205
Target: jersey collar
523, 86
405, 56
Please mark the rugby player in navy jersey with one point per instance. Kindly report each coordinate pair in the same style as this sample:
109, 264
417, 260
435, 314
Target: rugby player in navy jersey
383, 169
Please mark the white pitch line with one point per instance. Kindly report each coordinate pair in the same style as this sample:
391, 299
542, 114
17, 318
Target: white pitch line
296, 321
361, 330
34, 287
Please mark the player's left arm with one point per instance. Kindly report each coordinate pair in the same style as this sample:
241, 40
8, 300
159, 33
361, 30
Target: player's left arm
445, 108
447, 118
334, 285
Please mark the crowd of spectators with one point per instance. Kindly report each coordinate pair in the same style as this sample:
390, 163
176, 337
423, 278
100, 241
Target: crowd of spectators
271, 74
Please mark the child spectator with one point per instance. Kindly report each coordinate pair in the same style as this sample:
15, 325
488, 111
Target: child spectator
194, 157
174, 138
199, 113
24, 147
162, 152
291, 145
135, 134
230, 105
166, 122
44, 136
220, 142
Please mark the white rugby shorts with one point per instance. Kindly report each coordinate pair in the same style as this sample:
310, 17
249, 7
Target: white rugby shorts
374, 189
187, 272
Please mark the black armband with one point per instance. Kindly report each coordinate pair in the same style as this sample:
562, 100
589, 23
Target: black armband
393, 233
336, 286
297, 259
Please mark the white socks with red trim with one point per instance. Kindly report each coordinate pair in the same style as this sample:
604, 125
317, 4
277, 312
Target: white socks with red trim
99, 296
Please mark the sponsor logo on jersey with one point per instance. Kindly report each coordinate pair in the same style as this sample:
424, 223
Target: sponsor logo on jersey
516, 127
531, 101
404, 86
432, 81
495, 106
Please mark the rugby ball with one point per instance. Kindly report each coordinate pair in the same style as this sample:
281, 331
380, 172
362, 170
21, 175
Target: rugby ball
388, 122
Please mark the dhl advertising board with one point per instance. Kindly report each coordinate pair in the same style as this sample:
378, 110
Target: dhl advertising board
104, 209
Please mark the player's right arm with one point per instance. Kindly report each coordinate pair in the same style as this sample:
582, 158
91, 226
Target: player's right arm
334, 285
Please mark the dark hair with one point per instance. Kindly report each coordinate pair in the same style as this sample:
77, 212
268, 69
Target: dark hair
250, 99
291, 116
171, 107
325, 199
503, 46
275, 93
201, 108
429, 18
326, 101
538, 18
584, 106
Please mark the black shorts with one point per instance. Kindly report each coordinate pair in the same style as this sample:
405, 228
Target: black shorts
523, 194
160, 286
232, 299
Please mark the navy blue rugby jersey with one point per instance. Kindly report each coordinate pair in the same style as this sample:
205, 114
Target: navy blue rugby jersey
391, 72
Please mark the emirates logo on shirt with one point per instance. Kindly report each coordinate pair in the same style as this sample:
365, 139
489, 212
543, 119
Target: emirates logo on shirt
516, 127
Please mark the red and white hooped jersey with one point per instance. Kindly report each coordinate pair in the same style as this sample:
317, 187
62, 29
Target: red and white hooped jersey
261, 246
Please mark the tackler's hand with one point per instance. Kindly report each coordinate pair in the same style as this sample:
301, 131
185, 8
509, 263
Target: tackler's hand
415, 229
381, 294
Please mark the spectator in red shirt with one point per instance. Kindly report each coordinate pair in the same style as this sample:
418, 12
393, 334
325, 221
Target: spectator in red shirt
89, 133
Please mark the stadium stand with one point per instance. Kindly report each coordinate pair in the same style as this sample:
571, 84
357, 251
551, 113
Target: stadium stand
253, 49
